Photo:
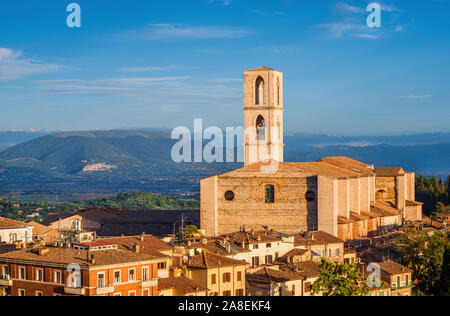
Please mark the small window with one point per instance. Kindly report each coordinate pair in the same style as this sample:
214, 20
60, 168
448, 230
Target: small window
213, 279
21, 292
117, 277
145, 274
39, 275
239, 276
269, 193
161, 265
269, 245
229, 196
57, 277
226, 277
310, 196
101, 281
39, 293
132, 275
22, 274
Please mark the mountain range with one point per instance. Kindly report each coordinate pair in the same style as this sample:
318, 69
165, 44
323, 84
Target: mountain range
71, 165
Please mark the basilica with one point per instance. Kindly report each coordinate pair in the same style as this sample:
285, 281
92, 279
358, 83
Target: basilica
338, 195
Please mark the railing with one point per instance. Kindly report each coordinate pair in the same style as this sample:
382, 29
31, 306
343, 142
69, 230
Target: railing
150, 283
5, 280
104, 290
403, 286
74, 291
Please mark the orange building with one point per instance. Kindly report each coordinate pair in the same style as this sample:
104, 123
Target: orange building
106, 271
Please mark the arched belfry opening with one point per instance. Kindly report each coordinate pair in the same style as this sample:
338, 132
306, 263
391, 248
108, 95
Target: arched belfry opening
261, 128
259, 91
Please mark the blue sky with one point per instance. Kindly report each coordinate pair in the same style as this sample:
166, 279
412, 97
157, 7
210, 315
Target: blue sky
152, 63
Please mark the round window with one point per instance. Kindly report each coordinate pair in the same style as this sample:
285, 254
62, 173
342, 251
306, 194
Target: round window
310, 196
229, 196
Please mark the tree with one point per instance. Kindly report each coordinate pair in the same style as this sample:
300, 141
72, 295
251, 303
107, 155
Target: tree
423, 253
339, 280
444, 284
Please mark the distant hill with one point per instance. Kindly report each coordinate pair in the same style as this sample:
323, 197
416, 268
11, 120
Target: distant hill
70, 164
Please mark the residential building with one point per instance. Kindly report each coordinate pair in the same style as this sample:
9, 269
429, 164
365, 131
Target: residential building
12, 231
396, 276
322, 245
67, 272
222, 276
273, 282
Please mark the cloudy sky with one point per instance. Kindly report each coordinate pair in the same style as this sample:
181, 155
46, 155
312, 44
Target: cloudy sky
153, 63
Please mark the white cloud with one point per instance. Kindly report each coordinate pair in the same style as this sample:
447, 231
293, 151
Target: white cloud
13, 66
178, 32
417, 97
263, 13
151, 68
343, 7
347, 29
140, 81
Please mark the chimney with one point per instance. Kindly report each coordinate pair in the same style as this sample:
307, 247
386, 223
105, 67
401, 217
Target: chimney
143, 237
43, 252
137, 248
91, 258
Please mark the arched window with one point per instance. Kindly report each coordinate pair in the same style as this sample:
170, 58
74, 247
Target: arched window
260, 128
259, 91
278, 92
269, 193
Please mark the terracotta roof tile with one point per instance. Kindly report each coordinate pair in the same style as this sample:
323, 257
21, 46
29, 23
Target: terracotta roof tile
389, 172
207, 260
6, 223
393, 268
383, 209
271, 276
61, 256
315, 238
182, 284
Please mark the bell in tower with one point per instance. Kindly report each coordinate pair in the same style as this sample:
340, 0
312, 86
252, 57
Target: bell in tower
263, 115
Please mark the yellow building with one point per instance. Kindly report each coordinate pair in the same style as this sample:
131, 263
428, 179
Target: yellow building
15, 232
220, 275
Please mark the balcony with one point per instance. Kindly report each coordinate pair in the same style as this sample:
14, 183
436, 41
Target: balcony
75, 291
104, 290
402, 285
5, 280
150, 283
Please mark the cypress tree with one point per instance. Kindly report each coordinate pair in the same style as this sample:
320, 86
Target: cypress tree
444, 284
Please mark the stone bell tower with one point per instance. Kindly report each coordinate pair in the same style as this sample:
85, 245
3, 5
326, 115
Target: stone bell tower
263, 115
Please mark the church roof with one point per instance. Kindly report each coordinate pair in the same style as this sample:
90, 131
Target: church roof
296, 169
351, 164
261, 69
383, 209
389, 172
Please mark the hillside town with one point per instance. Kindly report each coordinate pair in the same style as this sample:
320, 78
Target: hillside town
334, 227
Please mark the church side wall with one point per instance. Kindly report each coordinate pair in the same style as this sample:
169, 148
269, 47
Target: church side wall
208, 206
328, 207
289, 214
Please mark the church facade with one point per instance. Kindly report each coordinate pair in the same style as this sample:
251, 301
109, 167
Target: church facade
341, 196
